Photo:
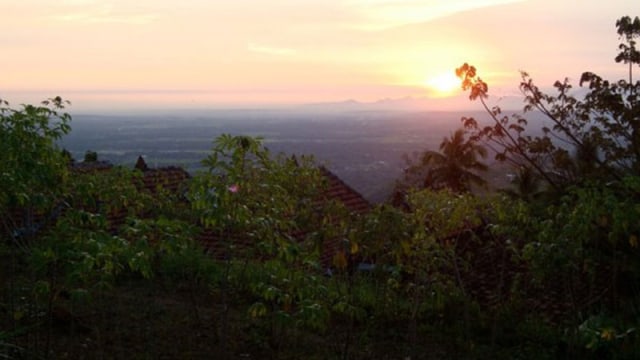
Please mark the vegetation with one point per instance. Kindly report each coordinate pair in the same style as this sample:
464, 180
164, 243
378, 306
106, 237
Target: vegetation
251, 259
456, 167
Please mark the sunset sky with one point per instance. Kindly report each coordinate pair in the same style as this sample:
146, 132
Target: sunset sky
220, 53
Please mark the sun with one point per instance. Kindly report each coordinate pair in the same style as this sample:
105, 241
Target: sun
444, 84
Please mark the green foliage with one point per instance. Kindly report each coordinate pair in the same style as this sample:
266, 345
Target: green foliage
532, 275
90, 156
245, 190
264, 207
27, 144
177, 255
526, 185
435, 222
32, 181
113, 193
601, 129
103, 233
591, 234
601, 334
580, 240
425, 267
33, 169
289, 297
82, 249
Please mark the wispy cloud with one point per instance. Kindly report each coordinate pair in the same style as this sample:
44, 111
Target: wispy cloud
104, 14
383, 14
278, 51
78, 2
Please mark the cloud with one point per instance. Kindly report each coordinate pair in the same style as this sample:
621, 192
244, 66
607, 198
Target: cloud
385, 14
78, 2
270, 50
103, 15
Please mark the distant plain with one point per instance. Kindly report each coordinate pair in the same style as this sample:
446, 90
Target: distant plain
365, 148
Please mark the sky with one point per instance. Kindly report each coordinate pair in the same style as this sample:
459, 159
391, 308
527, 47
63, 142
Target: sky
120, 54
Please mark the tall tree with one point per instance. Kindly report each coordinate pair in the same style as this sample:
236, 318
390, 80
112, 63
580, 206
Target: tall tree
455, 166
525, 185
605, 123
629, 30
33, 167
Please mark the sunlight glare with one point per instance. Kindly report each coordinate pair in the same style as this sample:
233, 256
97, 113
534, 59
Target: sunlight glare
444, 84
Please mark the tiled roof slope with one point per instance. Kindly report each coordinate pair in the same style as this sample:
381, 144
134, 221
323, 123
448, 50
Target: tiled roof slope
170, 178
493, 275
141, 164
336, 190
353, 201
91, 166
339, 190
25, 221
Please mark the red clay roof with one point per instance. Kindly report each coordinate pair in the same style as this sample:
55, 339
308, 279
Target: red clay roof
173, 178
169, 178
336, 190
141, 164
91, 166
339, 190
353, 201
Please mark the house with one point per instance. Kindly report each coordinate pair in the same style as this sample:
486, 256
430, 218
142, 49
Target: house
171, 178
354, 202
174, 180
24, 222
336, 190
340, 191
86, 167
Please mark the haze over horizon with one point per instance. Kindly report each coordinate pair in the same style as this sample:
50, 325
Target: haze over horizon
117, 54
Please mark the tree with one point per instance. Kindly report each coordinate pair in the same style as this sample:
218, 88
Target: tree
526, 183
629, 30
454, 167
605, 123
33, 168
90, 156
581, 248
264, 207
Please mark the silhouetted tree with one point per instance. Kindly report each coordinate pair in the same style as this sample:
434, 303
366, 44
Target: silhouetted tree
455, 166
68, 157
602, 128
526, 185
90, 156
629, 30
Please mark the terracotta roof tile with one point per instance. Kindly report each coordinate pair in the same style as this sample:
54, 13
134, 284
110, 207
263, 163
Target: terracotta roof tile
141, 164
174, 178
93, 166
336, 190
339, 190
170, 178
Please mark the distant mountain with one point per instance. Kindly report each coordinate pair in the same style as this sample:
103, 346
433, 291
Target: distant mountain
408, 103
458, 102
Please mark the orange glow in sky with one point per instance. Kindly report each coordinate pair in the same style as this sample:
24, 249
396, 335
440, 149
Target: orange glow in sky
443, 84
168, 53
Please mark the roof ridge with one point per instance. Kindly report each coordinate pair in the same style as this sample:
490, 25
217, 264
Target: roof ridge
364, 203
